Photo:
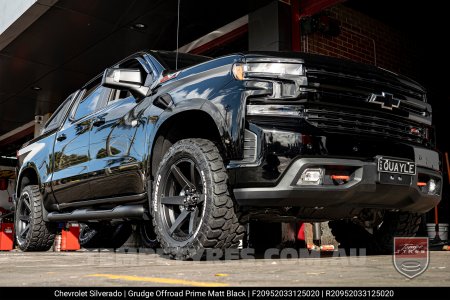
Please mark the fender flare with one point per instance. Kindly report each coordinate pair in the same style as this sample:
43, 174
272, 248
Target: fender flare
28, 166
190, 105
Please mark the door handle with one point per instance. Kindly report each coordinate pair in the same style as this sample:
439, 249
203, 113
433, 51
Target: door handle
61, 137
99, 122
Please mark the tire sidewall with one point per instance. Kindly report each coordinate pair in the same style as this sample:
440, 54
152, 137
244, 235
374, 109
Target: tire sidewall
182, 150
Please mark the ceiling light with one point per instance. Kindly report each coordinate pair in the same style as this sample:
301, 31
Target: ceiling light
36, 88
139, 26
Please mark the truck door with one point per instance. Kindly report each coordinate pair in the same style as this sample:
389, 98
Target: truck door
117, 145
70, 180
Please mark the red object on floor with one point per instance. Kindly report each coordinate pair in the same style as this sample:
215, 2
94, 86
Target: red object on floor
69, 238
301, 232
3, 184
6, 236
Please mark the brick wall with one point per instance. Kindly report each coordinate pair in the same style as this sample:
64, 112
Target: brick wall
367, 40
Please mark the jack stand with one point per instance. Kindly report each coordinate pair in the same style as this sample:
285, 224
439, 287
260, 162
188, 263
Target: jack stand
317, 240
317, 234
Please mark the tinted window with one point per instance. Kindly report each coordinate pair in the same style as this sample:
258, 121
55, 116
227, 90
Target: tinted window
90, 102
119, 95
58, 116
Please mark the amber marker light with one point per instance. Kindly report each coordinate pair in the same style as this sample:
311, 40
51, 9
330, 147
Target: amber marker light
238, 71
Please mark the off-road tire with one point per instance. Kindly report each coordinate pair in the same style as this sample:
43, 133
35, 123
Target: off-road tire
104, 235
40, 235
215, 218
395, 224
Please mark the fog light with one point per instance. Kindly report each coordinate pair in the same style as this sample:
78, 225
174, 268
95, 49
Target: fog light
311, 177
432, 187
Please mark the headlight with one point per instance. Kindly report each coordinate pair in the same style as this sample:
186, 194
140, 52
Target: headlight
267, 69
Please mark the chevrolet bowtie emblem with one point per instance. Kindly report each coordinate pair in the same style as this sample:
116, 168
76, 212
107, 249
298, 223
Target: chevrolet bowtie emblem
386, 100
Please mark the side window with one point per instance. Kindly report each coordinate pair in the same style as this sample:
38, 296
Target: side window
92, 100
58, 116
118, 95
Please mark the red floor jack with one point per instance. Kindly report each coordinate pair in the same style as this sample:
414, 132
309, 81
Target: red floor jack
6, 233
69, 238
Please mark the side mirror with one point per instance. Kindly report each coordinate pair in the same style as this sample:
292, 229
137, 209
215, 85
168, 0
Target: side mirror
125, 79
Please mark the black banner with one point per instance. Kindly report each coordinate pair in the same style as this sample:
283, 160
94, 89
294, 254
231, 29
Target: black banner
110, 293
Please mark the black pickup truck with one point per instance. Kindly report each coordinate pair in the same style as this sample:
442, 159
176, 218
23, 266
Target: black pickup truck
196, 147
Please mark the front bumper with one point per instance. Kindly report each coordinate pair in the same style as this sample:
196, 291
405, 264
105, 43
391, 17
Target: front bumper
364, 190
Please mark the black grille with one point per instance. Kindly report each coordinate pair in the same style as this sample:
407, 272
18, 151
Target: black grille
355, 121
342, 84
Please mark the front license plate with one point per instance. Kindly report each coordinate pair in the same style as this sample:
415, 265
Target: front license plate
387, 165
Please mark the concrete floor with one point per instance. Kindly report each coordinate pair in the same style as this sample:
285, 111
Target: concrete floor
94, 268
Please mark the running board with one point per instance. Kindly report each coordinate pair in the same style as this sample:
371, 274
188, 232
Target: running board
112, 200
119, 212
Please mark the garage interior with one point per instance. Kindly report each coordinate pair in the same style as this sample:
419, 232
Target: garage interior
57, 46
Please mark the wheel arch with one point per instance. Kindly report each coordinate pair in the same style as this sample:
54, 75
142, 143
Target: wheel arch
30, 174
203, 123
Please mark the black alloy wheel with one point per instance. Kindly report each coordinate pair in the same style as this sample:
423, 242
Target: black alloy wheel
31, 231
182, 200
192, 208
23, 217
